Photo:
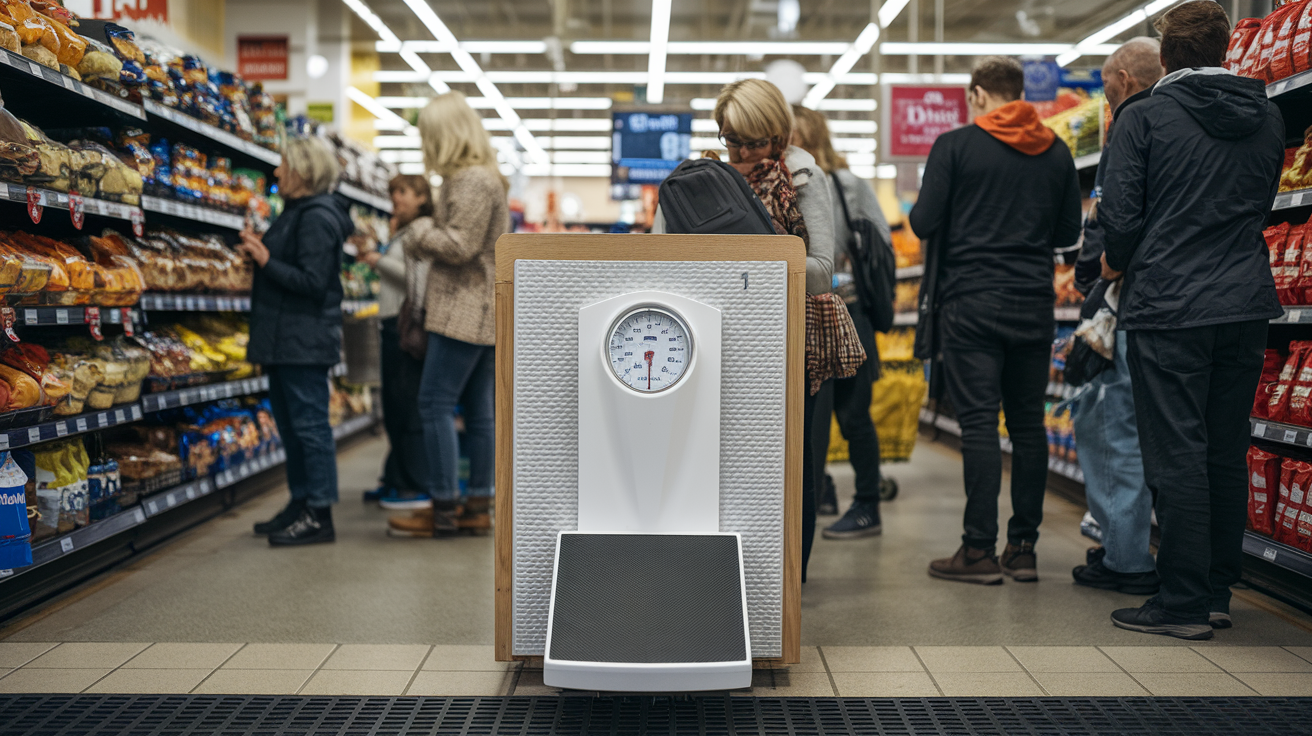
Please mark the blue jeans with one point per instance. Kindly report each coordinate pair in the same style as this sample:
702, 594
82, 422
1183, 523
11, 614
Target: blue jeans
1108, 443
457, 372
298, 395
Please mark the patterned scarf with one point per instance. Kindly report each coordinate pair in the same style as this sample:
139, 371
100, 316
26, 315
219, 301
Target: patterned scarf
773, 184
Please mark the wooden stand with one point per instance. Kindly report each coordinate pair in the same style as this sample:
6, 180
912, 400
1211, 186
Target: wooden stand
568, 247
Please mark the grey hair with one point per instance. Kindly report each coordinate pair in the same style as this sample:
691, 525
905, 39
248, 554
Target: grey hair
1141, 57
313, 162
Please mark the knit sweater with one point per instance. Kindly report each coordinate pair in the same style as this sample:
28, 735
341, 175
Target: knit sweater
400, 275
459, 241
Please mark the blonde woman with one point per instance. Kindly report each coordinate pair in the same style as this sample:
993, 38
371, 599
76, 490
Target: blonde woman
296, 332
470, 213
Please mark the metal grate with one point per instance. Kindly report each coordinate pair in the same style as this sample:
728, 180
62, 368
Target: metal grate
239, 715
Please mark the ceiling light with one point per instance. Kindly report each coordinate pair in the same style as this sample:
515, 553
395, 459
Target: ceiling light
385, 116
660, 37
857, 104
402, 156
886, 171
581, 157
568, 170
889, 11
698, 78
519, 103
1113, 29
856, 127
374, 22
860, 47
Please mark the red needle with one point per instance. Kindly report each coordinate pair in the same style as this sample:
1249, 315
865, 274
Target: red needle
649, 355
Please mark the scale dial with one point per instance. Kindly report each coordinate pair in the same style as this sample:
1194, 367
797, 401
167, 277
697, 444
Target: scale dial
649, 349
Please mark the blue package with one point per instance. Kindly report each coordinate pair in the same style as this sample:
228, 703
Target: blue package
15, 534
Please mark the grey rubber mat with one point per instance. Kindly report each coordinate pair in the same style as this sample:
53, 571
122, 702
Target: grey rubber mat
239, 715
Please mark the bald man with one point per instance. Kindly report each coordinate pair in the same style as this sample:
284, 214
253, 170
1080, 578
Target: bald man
1104, 417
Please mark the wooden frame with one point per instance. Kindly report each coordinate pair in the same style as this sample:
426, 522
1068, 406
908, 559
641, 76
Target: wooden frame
568, 247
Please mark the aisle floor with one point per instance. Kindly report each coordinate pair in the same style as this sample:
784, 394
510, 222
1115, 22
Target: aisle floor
217, 611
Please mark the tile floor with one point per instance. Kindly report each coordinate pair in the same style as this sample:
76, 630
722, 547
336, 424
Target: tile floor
885, 671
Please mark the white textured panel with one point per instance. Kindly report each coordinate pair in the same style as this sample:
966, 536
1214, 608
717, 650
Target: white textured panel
548, 295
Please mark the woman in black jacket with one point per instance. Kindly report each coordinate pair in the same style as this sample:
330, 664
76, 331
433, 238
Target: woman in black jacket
296, 332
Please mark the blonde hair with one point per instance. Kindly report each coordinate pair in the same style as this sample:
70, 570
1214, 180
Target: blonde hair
313, 162
813, 136
453, 137
756, 110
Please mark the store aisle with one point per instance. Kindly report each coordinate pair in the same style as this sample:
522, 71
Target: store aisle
216, 610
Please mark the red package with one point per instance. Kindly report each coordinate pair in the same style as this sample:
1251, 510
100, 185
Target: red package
1303, 529
1293, 494
1263, 485
1300, 49
1242, 37
1282, 64
1266, 42
1292, 259
1273, 361
1275, 237
1278, 406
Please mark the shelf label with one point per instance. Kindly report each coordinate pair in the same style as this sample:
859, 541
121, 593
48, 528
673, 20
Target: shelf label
119, 416
1259, 430
66, 544
61, 429
1270, 553
191, 493
154, 507
6, 573
102, 419
61, 316
81, 424
1291, 436
4, 440
76, 209
138, 515
33, 434
190, 304
34, 208
170, 500
136, 412
1294, 315
31, 316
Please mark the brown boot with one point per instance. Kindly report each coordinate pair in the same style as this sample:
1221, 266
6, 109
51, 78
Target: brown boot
476, 516
418, 523
968, 565
1019, 563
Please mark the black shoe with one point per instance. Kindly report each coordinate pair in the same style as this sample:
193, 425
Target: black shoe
1094, 554
1098, 575
861, 520
1219, 620
827, 505
311, 527
1151, 618
284, 518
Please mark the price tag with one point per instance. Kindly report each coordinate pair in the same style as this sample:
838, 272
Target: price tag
125, 318
136, 412
76, 209
68, 83
1294, 315
5, 573
61, 429
224, 304
30, 316
138, 221
138, 515
1295, 199
81, 424
1270, 553
34, 208
34, 67
91, 316
61, 316
1290, 436
1259, 430
102, 419
33, 434
191, 493
205, 486
190, 304
153, 506
170, 500
119, 416
66, 544
4, 440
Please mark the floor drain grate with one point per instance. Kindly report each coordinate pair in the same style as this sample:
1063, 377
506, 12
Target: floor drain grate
258, 715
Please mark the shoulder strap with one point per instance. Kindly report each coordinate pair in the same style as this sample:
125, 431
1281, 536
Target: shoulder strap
842, 198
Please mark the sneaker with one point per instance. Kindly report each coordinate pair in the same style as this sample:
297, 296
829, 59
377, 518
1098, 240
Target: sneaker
1151, 618
1219, 620
289, 513
827, 505
313, 526
403, 501
1098, 575
475, 516
1020, 563
375, 494
861, 520
968, 566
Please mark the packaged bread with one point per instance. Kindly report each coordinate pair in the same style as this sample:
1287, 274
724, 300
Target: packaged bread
41, 55
9, 39
71, 45
32, 27
24, 391
18, 159
53, 160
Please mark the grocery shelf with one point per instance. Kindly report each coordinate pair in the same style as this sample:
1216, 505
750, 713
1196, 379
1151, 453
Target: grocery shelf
1276, 553
162, 302
1087, 161
17, 66
1296, 198
46, 316
352, 192
158, 503
1294, 315
200, 394
232, 142
1288, 84
59, 200
1064, 468
1285, 434
207, 215
910, 272
80, 538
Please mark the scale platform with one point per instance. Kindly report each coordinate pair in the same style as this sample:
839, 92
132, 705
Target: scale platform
635, 612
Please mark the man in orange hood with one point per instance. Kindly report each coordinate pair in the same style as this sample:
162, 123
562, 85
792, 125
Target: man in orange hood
997, 198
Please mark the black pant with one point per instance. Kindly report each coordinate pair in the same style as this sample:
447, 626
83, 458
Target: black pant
813, 469
1193, 391
406, 467
996, 352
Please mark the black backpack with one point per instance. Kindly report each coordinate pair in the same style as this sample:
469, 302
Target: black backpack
874, 269
706, 196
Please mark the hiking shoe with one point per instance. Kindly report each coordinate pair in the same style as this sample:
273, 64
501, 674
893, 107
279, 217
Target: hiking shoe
1019, 563
475, 516
827, 503
1218, 620
405, 501
861, 520
968, 566
1151, 618
1098, 575
377, 493
291, 512
313, 526
431, 522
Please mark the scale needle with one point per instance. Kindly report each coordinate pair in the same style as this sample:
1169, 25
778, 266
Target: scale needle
648, 356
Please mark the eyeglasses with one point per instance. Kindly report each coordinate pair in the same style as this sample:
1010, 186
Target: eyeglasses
733, 141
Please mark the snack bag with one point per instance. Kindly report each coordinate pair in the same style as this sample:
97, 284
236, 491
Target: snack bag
1273, 361
1242, 37
1303, 529
1278, 406
1287, 521
1300, 395
1263, 485
15, 533
1275, 237
1293, 261
1266, 40
1282, 64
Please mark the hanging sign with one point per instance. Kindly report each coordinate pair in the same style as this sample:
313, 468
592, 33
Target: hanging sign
34, 208
262, 57
915, 116
76, 209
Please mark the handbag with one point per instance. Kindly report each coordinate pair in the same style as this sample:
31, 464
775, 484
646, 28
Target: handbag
410, 324
833, 347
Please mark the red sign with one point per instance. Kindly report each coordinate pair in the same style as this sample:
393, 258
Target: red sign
262, 57
157, 10
917, 116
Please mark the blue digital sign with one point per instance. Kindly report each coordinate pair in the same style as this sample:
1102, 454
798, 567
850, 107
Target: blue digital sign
647, 146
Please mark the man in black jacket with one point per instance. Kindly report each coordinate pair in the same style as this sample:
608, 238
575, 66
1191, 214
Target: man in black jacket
997, 197
1191, 176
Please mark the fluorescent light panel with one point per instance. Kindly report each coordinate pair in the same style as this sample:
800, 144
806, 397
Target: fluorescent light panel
1113, 29
557, 143
543, 77
660, 38
519, 103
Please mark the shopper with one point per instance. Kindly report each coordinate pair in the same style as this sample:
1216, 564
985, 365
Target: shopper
1191, 175
1103, 414
998, 197
296, 332
459, 242
851, 396
401, 277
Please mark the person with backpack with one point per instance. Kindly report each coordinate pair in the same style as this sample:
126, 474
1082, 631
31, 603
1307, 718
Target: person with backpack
854, 201
999, 196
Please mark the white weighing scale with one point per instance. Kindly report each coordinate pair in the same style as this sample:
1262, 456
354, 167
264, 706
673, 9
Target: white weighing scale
648, 595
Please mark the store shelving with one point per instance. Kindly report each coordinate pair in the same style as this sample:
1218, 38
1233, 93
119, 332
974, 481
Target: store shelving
1289, 84
1285, 434
164, 302
243, 148
66, 94
198, 213
1276, 553
911, 272
1294, 315
200, 394
1087, 161
50, 316
1059, 466
352, 192
1289, 200
48, 198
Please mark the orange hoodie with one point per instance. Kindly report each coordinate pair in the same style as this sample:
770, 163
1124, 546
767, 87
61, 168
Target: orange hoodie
1017, 124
